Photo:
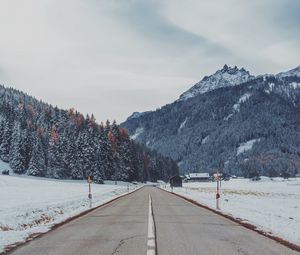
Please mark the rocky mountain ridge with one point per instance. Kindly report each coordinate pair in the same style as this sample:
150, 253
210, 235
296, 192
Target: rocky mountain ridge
253, 126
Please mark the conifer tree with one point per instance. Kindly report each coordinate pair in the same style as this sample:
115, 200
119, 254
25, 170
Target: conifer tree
6, 142
17, 157
55, 163
2, 125
37, 166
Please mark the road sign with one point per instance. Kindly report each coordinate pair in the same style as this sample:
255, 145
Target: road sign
217, 176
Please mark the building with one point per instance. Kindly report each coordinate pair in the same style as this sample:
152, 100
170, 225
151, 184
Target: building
176, 181
198, 177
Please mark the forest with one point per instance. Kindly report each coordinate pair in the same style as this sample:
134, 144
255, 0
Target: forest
38, 139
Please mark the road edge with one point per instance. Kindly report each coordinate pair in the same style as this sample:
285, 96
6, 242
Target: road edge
11, 247
252, 227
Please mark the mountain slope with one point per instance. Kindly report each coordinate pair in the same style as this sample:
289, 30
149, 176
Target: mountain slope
248, 128
293, 72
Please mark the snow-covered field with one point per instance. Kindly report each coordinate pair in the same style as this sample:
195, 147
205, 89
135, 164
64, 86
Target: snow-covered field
271, 205
32, 205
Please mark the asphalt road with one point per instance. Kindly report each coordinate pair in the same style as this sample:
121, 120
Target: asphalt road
182, 228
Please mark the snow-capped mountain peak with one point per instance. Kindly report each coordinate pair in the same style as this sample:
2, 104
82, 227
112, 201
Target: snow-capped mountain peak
225, 77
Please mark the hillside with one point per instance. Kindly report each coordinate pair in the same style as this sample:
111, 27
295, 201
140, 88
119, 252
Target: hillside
246, 128
41, 140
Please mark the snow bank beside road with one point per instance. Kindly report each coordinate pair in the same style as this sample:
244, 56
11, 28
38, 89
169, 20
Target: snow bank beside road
32, 205
271, 205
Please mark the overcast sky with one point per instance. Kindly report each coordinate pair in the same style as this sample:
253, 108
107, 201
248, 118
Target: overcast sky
114, 57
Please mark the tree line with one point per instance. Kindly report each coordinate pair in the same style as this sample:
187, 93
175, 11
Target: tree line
41, 140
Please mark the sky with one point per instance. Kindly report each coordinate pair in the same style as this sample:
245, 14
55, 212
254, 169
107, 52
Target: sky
115, 57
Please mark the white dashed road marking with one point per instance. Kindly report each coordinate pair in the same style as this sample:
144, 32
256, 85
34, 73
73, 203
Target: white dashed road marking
151, 249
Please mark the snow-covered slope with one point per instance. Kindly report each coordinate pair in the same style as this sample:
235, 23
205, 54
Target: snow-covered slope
270, 204
293, 72
32, 205
227, 76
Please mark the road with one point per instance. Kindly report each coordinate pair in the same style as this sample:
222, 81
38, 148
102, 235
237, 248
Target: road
122, 227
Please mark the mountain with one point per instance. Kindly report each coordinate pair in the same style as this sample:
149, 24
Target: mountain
293, 72
248, 126
136, 115
41, 140
225, 77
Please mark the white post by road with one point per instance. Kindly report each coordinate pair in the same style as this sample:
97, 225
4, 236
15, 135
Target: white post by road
218, 196
90, 192
217, 178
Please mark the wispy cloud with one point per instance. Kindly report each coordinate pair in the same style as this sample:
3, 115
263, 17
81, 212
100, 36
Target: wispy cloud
112, 57
146, 19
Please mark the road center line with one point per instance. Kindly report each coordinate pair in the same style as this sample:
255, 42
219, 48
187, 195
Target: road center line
151, 246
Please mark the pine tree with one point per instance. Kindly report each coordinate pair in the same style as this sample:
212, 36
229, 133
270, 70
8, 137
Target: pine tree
125, 170
37, 165
68, 150
2, 125
97, 165
106, 153
17, 157
6, 142
55, 161
82, 156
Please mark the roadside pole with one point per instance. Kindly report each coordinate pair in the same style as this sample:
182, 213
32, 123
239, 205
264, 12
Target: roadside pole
217, 178
218, 195
90, 192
